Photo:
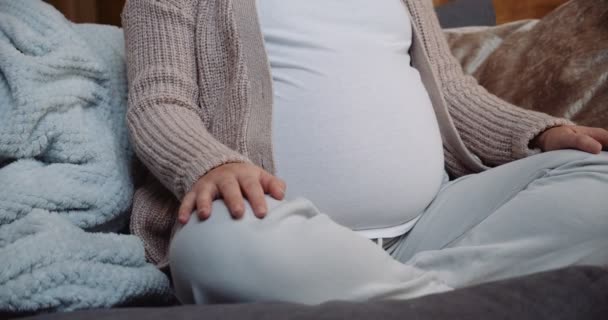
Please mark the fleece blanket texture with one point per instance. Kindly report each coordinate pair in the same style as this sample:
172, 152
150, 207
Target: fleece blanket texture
65, 180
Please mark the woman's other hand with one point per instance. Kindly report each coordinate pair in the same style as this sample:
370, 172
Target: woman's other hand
230, 181
588, 139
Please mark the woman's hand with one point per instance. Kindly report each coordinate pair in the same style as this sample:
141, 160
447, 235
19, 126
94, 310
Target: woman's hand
227, 181
592, 140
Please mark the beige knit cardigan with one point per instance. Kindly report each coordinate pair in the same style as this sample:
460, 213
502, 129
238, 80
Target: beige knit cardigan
200, 95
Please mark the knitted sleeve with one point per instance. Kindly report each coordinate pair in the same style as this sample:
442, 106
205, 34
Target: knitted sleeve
494, 130
163, 117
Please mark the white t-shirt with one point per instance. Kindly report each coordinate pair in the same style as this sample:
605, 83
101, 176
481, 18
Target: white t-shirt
353, 128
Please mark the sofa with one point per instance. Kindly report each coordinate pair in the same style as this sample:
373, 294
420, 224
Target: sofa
571, 293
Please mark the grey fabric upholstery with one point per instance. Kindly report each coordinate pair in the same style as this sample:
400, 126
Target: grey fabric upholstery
571, 293
461, 13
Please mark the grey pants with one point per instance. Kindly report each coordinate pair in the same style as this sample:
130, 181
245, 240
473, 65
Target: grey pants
543, 212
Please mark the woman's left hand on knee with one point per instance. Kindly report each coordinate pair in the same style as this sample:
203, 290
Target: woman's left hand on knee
588, 139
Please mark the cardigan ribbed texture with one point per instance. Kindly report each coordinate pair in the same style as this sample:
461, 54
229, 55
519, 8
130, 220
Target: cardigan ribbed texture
200, 96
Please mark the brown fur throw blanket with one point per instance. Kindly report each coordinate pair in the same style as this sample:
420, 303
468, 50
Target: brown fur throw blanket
557, 65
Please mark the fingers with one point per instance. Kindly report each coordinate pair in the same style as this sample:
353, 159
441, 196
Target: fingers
599, 134
231, 193
186, 208
273, 185
252, 189
204, 199
585, 143
231, 182
587, 139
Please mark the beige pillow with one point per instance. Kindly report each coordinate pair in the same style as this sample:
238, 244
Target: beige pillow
557, 65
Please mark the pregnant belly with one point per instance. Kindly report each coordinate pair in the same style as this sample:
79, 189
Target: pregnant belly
368, 155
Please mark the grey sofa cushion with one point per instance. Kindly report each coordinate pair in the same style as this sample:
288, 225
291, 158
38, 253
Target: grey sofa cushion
570, 293
461, 13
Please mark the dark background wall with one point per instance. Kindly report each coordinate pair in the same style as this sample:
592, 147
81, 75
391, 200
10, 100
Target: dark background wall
511, 10
97, 11
108, 11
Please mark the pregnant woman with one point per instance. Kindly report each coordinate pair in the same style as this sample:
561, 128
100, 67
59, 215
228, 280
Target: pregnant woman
399, 175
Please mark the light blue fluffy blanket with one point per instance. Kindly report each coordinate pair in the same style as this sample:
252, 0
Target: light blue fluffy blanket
65, 180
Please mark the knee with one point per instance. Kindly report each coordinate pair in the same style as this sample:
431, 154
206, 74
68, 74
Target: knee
595, 170
602, 160
200, 251
203, 251
212, 237
579, 162
220, 258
